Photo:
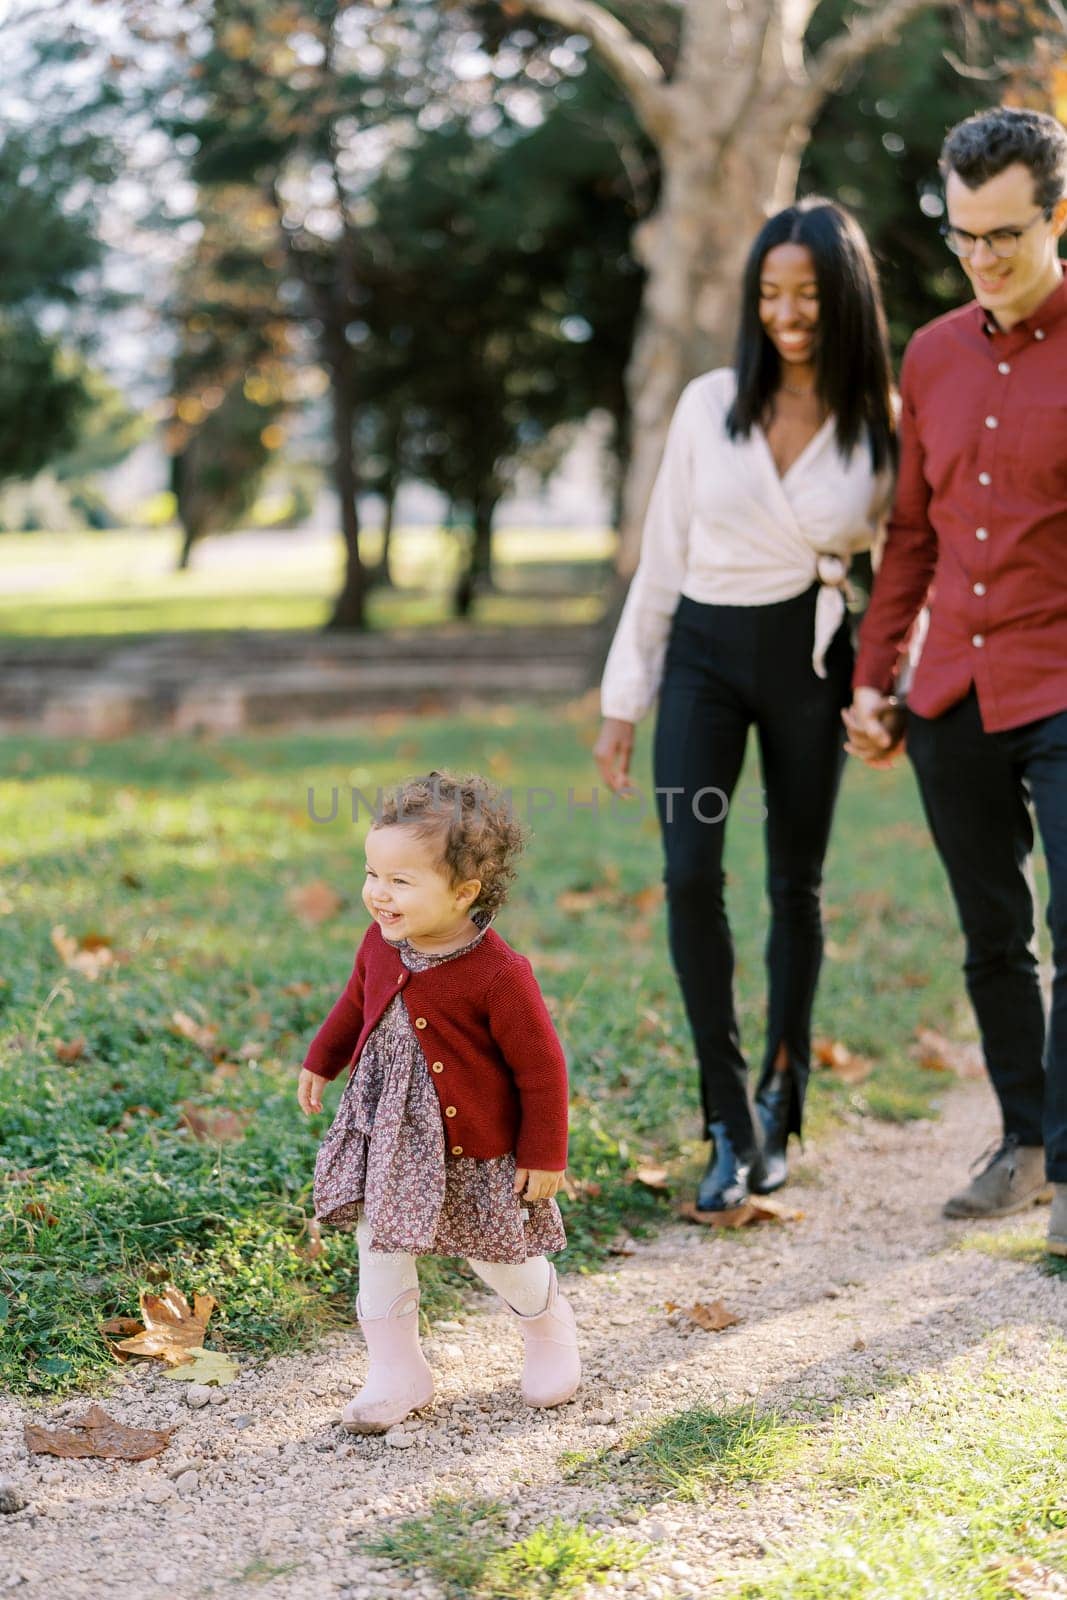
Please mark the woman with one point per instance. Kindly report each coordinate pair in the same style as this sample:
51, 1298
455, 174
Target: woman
773, 476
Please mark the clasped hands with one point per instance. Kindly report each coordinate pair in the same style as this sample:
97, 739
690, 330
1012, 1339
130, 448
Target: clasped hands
875, 726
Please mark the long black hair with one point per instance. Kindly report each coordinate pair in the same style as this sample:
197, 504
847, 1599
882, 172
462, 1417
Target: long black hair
852, 367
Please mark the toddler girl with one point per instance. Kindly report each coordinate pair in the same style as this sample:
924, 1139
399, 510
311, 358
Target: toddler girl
451, 1135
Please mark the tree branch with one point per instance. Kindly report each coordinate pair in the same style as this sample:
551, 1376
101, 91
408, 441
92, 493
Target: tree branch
867, 31
630, 62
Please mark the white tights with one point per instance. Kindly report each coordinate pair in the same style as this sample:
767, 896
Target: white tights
383, 1276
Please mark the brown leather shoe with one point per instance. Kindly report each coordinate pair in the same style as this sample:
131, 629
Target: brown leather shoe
1057, 1222
1012, 1179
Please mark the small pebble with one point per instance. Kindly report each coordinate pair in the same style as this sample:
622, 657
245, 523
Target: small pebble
399, 1440
156, 1493
12, 1496
197, 1395
242, 1422
188, 1483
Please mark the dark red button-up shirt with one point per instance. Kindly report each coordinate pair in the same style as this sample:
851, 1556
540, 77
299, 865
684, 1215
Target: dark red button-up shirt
979, 523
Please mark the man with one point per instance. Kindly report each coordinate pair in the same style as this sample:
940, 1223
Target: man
979, 534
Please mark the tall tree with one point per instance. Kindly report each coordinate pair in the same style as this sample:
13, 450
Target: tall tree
730, 118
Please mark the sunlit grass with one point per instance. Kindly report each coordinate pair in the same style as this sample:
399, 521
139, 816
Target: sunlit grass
181, 854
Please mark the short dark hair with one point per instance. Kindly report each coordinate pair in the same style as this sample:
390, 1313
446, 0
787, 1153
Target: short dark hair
853, 376
986, 144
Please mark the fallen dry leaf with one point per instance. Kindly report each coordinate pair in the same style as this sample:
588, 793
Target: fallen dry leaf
202, 1034
1030, 1579
842, 1062
582, 1188
299, 990
314, 902
90, 955
218, 1127
654, 1178
939, 1054
859, 1343
72, 1049
206, 1366
647, 900
40, 1213
171, 1329
312, 1247
712, 1318
97, 1434
623, 1244
20, 1174
758, 1208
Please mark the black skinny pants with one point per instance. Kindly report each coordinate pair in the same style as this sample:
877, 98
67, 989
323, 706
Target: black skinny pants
728, 667
978, 789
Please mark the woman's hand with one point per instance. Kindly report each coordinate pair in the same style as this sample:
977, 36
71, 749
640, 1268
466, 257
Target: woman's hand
613, 752
309, 1091
538, 1185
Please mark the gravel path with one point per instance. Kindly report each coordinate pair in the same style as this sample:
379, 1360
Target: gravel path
259, 1489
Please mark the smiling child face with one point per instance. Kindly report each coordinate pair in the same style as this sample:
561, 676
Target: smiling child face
409, 892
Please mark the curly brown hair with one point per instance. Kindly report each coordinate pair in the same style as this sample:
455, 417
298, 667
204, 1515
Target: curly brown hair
478, 833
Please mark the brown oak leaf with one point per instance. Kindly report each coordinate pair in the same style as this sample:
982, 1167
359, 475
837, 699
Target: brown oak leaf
171, 1328
712, 1318
940, 1054
97, 1434
314, 902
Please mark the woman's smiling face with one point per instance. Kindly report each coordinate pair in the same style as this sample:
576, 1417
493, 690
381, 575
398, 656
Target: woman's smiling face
789, 303
408, 890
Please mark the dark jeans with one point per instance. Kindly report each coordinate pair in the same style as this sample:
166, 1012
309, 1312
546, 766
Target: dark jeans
727, 668
977, 789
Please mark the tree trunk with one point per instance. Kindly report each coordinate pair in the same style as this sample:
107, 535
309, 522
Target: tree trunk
478, 576
382, 577
730, 127
694, 249
349, 608
186, 551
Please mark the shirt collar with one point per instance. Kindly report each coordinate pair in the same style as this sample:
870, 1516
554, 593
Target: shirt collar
1051, 309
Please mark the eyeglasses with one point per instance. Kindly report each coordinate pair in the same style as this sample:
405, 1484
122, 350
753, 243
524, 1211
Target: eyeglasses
1004, 242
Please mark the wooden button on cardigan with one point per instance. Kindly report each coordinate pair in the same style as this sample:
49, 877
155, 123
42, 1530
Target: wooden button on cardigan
496, 1061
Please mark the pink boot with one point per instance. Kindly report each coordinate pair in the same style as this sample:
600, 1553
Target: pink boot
398, 1379
553, 1367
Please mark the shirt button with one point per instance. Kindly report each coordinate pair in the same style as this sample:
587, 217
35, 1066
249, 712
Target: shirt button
979, 589
420, 1022
437, 1066
984, 479
450, 1111
978, 641
457, 1149
991, 422
1039, 333
1004, 367
981, 534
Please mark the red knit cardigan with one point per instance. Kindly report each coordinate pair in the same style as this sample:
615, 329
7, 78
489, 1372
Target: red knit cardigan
495, 1059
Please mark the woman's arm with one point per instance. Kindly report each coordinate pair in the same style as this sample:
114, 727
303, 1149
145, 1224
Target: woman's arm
635, 662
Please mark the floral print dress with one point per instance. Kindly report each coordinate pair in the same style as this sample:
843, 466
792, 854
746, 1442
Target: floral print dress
386, 1154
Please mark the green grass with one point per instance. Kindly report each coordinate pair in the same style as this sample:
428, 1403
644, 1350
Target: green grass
951, 1494
1019, 1245
693, 1451
68, 589
465, 1548
182, 853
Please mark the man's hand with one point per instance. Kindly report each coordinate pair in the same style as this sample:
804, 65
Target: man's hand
875, 725
538, 1185
309, 1091
613, 752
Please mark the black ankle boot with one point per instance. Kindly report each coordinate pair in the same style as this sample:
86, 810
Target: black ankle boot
774, 1106
725, 1184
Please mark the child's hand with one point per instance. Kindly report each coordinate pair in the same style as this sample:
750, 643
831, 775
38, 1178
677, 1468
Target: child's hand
309, 1091
538, 1185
